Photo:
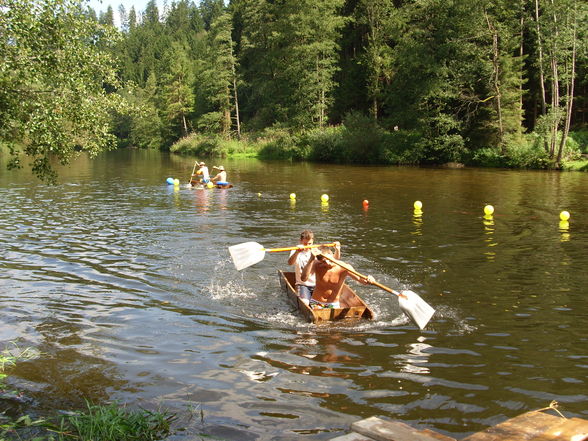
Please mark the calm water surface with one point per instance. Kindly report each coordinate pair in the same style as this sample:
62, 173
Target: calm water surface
125, 287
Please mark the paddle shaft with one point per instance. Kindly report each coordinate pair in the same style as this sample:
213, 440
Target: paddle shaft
351, 270
273, 250
193, 170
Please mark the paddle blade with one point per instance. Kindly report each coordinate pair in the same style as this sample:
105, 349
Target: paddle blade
419, 311
246, 254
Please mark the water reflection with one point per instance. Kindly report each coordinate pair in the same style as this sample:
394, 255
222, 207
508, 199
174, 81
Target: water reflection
222, 197
201, 199
415, 360
88, 269
564, 229
489, 239
417, 220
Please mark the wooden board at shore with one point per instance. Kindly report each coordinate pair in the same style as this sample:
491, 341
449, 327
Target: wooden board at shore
530, 426
535, 425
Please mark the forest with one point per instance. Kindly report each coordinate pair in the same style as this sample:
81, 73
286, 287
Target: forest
499, 83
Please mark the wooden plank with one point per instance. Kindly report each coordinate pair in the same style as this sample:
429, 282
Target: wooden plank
381, 430
352, 437
436, 435
575, 429
528, 426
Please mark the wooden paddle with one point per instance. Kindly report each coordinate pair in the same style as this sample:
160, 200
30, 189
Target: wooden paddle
249, 253
192, 175
415, 308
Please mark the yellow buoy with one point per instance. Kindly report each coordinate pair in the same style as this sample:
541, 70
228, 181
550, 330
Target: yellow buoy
292, 196
176, 182
209, 185
488, 210
418, 205
564, 215
325, 198
258, 195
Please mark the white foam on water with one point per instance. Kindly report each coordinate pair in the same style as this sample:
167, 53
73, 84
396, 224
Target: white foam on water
230, 290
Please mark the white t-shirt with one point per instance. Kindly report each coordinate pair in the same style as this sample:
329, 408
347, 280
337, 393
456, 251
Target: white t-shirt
204, 171
301, 261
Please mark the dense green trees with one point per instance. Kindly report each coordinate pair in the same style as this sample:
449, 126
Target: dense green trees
55, 72
393, 81
459, 80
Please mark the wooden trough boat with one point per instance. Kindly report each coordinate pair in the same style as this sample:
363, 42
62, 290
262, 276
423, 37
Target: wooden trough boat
352, 306
199, 186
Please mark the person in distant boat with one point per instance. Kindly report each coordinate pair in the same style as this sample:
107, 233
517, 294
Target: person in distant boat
202, 176
299, 258
221, 176
329, 277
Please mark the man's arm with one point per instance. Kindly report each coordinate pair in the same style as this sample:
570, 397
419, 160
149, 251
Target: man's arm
294, 255
363, 280
308, 268
337, 253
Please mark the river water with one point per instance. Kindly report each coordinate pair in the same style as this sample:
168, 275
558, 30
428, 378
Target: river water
124, 287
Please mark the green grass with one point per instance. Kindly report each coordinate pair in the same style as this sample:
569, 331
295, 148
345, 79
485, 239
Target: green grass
215, 146
97, 423
110, 422
580, 165
9, 357
116, 423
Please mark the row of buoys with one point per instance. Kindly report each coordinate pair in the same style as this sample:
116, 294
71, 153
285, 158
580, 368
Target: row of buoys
324, 197
418, 206
489, 210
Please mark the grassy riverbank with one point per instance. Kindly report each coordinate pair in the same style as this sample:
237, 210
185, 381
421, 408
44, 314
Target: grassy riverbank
359, 141
104, 422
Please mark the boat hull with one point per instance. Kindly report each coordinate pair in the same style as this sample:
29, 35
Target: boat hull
352, 306
199, 186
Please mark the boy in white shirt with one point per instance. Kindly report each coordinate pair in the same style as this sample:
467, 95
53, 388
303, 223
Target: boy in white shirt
299, 258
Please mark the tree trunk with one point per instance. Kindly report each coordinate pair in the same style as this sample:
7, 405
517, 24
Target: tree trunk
569, 92
496, 80
227, 114
554, 107
540, 51
185, 123
321, 97
521, 55
236, 98
555, 99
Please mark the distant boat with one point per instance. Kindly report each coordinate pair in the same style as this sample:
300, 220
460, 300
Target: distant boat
199, 186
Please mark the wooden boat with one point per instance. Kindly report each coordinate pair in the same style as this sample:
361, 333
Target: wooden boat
352, 306
199, 186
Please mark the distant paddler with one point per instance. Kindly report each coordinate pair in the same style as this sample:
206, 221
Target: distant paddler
220, 179
201, 176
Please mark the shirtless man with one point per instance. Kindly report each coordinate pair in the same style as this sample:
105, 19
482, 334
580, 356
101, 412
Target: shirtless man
299, 258
329, 277
221, 177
